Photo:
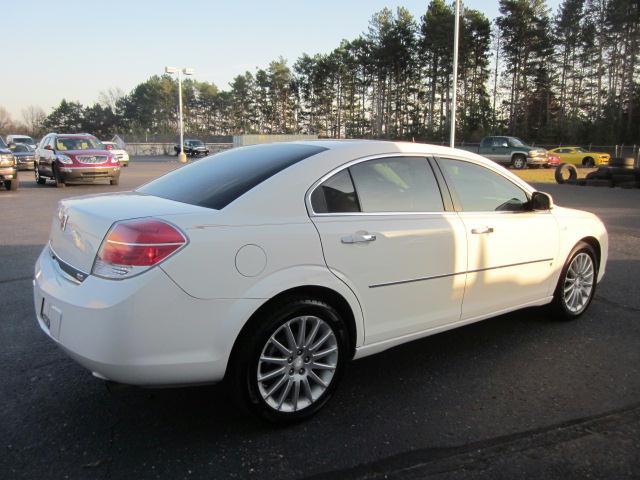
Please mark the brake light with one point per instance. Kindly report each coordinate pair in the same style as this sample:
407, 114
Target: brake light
134, 246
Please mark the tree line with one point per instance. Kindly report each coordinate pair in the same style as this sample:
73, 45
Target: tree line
569, 76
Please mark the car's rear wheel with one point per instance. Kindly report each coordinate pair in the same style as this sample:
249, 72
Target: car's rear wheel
59, 182
288, 366
40, 180
577, 283
12, 184
519, 162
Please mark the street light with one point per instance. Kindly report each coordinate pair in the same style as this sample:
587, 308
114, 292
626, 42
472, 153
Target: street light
187, 71
456, 29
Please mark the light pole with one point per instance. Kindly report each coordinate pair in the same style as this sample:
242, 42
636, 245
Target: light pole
187, 71
456, 30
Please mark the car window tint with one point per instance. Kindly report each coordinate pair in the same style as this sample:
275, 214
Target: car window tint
481, 190
216, 181
335, 195
399, 184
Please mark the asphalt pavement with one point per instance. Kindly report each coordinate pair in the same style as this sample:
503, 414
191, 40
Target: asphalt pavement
516, 396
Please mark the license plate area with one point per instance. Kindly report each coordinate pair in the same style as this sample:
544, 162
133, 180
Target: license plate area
51, 317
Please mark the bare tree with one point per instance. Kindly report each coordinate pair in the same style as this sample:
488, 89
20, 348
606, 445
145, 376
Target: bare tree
5, 119
109, 98
34, 117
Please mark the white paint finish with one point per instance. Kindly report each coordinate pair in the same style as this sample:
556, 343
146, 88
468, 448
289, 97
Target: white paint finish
407, 247
505, 266
251, 260
176, 324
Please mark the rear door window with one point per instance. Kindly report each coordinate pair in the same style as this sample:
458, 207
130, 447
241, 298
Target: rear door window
336, 195
397, 184
216, 181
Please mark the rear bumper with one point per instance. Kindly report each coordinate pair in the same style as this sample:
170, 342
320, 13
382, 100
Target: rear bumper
141, 331
74, 174
537, 160
26, 164
8, 173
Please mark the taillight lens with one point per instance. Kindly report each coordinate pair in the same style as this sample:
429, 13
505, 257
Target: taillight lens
134, 246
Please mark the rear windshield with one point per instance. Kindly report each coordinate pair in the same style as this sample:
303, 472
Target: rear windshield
216, 181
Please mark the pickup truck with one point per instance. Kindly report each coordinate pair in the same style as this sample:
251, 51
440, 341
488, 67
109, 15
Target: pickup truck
510, 151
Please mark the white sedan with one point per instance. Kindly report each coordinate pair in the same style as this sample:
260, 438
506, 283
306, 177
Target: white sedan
273, 265
120, 154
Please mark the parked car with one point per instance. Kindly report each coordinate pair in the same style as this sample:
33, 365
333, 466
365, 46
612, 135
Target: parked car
192, 148
273, 265
120, 154
510, 151
25, 155
8, 168
552, 160
74, 158
21, 139
580, 156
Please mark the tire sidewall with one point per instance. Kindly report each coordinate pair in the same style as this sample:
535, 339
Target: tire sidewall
246, 362
558, 301
519, 163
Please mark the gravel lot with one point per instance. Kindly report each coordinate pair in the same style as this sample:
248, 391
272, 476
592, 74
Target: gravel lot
518, 395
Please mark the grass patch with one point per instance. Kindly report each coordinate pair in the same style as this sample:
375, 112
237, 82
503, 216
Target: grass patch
545, 175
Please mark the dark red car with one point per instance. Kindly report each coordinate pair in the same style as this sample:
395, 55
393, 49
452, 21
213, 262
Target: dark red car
70, 158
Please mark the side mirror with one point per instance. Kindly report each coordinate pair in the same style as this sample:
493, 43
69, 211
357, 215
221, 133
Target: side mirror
48, 147
541, 201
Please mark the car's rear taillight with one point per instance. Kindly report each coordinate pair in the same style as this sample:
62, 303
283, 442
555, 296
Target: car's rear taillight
134, 246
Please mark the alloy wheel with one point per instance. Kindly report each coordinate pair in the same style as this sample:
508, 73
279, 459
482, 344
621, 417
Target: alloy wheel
578, 283
297, 364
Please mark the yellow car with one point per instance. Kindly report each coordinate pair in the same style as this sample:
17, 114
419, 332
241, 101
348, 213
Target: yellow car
580, 156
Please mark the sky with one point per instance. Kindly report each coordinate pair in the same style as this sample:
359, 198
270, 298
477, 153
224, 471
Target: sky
76, 49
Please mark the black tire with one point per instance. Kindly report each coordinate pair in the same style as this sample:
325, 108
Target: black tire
588, 162
39, 179
57, 178
12, 184
115, 180
558, 306
519, 162
570, 169
243, 373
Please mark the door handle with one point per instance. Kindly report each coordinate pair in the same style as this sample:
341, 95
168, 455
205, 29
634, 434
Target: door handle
358, 238
481, 230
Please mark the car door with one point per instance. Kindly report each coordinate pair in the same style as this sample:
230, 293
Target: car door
512, 250
386, 233
500, 150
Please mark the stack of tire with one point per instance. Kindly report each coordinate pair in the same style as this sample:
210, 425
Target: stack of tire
620, 172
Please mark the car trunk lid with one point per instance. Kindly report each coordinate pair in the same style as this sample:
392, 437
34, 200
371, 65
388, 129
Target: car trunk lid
81, 223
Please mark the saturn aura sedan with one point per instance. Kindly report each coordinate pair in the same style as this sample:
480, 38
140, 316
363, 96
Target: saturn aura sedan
272, 266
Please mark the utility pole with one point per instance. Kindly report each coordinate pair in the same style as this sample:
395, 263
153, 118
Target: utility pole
187, 71
452, 134
495, 79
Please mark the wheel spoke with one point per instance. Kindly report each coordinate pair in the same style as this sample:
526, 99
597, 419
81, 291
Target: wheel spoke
319, 343
317, 379
272, 374
321, 366
302, 331
314, 332
307, 389
280, 346
296, 395
276, 386
325, 352
290, 338
285, 393
274, 360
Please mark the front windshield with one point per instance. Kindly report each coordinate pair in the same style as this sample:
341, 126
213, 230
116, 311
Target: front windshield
20, 147
27, 140
78, 143
515, 142
196, 143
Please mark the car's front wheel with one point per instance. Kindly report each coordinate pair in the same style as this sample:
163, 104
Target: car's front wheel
577, 284
287, 368
519, 162
40, 180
